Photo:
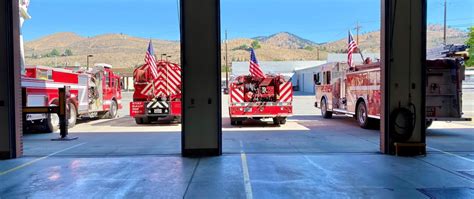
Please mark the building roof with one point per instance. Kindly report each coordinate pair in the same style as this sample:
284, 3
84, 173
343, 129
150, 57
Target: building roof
274, 67
342, 57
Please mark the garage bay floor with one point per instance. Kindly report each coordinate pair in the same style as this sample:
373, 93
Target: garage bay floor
310, 157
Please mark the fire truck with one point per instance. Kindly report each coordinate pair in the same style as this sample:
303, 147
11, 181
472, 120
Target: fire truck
258, 98
157, 98
355, 91
95, 92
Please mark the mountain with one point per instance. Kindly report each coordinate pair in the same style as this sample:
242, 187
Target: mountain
125, 51
285, 40
370, 42
60, 40
120, 50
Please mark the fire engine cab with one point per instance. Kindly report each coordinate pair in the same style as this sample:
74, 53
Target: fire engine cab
95, 92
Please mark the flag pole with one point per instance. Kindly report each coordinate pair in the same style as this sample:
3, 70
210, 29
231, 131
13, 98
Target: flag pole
361, 55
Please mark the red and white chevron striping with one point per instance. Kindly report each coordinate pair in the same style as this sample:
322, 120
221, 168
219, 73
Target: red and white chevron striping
236, 95
286, 92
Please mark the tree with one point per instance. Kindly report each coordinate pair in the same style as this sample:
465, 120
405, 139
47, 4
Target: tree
68, 52
54, 53
309, 48
255, 44
470, 43
242, 47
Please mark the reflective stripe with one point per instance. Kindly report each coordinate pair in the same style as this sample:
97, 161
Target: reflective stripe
286, 92
154, 105
147, 89
237, 95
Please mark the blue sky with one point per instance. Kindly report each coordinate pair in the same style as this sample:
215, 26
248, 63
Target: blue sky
317, 20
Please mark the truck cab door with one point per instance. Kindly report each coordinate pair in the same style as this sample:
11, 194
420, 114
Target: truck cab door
107, 81
118, 87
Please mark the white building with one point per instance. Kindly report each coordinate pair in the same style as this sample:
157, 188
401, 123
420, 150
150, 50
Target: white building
305, 79
286, 68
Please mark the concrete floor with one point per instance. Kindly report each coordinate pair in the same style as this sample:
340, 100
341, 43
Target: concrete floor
324, 159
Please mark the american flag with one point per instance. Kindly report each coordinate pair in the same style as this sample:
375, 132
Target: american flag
255, 69
150, 61
352, 46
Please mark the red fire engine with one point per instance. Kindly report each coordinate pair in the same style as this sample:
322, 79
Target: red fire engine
257, 98
356, 91
159, 98
94, 93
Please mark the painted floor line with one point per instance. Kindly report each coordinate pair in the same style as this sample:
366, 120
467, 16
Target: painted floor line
37, 160
245, 170
452, 154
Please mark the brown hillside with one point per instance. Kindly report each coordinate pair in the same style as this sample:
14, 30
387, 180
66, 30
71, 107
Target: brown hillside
124, 51
370, 42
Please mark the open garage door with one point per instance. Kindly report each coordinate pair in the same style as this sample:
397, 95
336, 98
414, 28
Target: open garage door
124, 77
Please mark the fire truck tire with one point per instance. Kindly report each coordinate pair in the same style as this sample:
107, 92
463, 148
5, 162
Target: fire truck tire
142, 120
139, 120
324, 109
235, 121
429, 123
52, 123
362, 115
112, 113
177, 119
72, 115
279, 120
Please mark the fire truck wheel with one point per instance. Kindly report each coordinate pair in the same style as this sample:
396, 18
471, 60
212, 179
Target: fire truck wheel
362, 115
72, 115
324, 109
279, 120
235, 121
177, 119
139, 120
52, 123
112, 113
429, 123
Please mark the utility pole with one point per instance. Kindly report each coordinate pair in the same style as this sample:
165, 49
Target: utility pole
88, 56
357, 28
317, 50
226, 63
445, 18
